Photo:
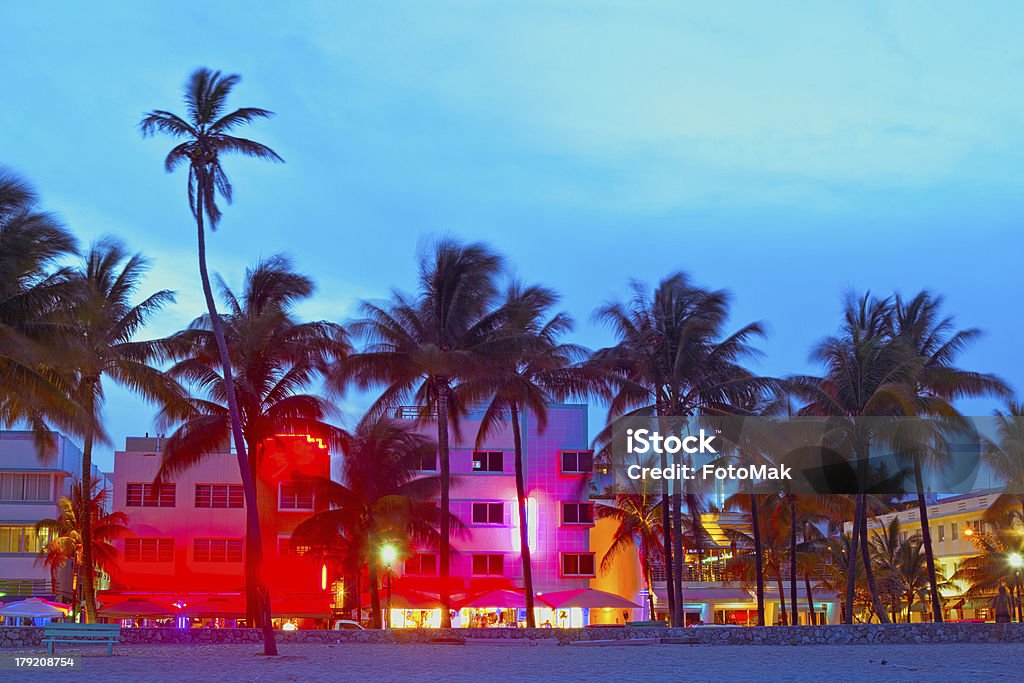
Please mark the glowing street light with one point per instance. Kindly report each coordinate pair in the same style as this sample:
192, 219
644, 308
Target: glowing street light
388, 555
1016, 561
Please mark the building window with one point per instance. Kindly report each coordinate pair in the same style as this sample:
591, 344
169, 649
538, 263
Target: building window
150, 495
488, 565
285, 547
421, 564
488, 513
295, 497
488, 461
942, 533
953, 531
577, 462
18, 486
22, 539
578, 564
219, 496
148, 549
217, 550
577, 513
427, 462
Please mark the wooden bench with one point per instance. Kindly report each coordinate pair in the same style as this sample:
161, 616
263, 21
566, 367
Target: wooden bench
82, 634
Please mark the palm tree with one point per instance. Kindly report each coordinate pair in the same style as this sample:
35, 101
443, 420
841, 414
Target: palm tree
936, 342
671, 359
867, 373
275, 359
31, 287
992, 567
420, 347
639, 526
536, 370
65, 535
1005, 456
204, 135
104, 322
382, 501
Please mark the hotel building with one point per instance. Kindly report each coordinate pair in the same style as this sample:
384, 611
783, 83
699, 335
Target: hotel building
30, 488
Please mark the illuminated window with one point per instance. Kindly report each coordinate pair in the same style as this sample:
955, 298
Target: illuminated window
577, 513
219, 496
18, 486
488, 565
488, 461
22, 539
578, 564
217, 550
942, 533
141, 495
149, 549
295, 496
421, 564
577, 462
488, 513
953, 531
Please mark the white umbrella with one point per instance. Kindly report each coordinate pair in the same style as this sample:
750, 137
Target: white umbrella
32, 607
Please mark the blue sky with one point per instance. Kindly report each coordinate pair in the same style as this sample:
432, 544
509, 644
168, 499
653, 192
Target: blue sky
787, 153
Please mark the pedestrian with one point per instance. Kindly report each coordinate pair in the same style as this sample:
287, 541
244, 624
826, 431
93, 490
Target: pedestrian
1001, 606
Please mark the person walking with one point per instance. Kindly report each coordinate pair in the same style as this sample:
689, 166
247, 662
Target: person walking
1002, 606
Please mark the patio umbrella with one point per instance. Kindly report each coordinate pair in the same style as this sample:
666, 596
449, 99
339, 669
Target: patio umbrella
405, 599
31, 607
132, 609
501, 599
587, 597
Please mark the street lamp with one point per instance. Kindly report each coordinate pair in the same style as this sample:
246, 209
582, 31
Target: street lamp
388, 554
1016, 561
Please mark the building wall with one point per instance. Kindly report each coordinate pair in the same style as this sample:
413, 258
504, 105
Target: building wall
19, 573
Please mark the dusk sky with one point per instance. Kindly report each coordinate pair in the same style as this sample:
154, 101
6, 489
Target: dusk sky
787, 153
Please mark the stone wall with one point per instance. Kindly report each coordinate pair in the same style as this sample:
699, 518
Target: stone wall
859, 634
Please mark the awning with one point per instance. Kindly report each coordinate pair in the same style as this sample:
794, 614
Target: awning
501, 599
300, 606
132, 609
587, 597
709, 595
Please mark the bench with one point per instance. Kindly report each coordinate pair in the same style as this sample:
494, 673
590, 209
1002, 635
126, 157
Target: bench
82, 634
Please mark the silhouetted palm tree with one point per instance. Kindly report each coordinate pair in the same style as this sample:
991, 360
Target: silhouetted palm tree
1005, 455
275, 360
672, 359
639, 527
420, 347
204, 135
937, 344
31, 286
103, 321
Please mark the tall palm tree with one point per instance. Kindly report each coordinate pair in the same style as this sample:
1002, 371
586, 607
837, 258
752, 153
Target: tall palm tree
31, 287
420, 347
1005, 455
937, 343
382, 500
991, 567
867, 373
673, 359
104, 322
204, 134
65, 534
639, 528
537, 370
275, 359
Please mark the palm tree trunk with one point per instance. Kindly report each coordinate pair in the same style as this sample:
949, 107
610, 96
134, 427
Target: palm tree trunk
375, 608
782, 596
812, 615
678, 557
645, 564
524, 535
666, 530
254, 553
869, 573
758, 557
851, 561
792, 559
926, 541
88, 573
446, 476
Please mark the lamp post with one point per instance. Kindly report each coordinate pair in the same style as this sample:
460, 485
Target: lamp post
388, 554
1016, 561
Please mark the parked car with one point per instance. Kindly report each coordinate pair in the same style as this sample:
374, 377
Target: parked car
347, 625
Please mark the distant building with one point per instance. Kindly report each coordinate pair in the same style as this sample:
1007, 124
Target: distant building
188, 531
30, 487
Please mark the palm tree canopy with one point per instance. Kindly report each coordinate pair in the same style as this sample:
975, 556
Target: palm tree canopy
276, 359
205, 134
